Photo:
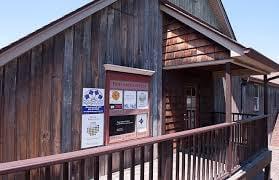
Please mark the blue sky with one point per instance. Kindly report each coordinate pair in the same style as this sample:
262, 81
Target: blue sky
255, 22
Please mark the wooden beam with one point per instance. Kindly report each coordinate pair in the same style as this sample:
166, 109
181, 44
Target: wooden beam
267, 168
228, 99
265, 95
228, 92
199, 64
273, 78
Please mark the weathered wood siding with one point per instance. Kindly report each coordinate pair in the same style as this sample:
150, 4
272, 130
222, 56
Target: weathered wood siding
183, 45
40, 91
273, 103
199, 8
243, 99
219, 94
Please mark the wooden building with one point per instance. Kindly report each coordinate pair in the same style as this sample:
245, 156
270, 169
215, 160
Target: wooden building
182, 55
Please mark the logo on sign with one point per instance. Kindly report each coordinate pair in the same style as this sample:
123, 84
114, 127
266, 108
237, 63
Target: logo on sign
93, 97
93, 101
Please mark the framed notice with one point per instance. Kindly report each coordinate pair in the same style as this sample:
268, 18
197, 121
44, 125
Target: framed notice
130, 99
142, 99
128, 115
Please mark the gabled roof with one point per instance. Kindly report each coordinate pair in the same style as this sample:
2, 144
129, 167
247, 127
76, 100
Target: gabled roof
222, 17
19, 47
241, 55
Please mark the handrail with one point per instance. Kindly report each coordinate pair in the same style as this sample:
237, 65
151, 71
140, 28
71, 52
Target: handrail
251, 119
22, 165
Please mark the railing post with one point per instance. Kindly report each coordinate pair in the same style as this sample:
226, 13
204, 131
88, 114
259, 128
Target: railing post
166, 160
267, 169
228, 99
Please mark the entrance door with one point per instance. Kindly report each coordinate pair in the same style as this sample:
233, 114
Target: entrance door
191, 106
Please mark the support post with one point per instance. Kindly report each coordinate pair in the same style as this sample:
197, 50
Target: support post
228, 93
267, 168
228, 101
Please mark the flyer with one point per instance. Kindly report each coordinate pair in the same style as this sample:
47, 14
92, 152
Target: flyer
116, 99
92, 133
142, 99
93, 101
130, 99
142, 122
92, 130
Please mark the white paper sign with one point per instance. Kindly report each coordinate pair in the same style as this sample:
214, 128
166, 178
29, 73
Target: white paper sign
142, 99
130, 99
92, 133
92, 130
115, 97
142, 122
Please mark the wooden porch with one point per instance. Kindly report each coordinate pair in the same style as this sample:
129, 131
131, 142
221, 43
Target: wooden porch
213, 152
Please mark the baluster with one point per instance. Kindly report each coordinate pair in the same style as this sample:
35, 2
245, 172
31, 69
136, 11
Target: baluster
96, 167
27, 174
199, 156
207, 154
142, 163
203, 154
66, 171
47, 172
132, 164
215, 153
109, 170
183, 158
121, 165
151, 162
194, 157
189, 146
177, 159
82, 169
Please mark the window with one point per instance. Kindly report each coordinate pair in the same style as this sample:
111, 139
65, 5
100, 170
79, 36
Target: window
256, 99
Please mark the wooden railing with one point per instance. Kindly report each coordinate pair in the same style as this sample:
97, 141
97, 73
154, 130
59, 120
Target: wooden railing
220, 116
204, 153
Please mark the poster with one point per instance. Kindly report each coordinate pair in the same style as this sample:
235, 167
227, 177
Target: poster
142, 99
130, 99
121, 125
92, 134
92, 130
93, 101
116, 99
142, 122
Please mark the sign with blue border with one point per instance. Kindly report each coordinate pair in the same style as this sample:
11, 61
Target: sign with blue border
93, 101
92, 117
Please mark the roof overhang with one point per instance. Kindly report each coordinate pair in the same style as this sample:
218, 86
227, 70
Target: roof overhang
220, 12
246, 57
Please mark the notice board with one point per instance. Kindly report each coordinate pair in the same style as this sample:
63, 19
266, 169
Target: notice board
127, 107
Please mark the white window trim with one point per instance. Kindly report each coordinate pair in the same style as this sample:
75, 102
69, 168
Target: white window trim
256, 99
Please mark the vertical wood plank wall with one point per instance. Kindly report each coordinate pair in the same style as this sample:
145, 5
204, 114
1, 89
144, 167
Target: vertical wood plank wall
200, 9
40, 91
